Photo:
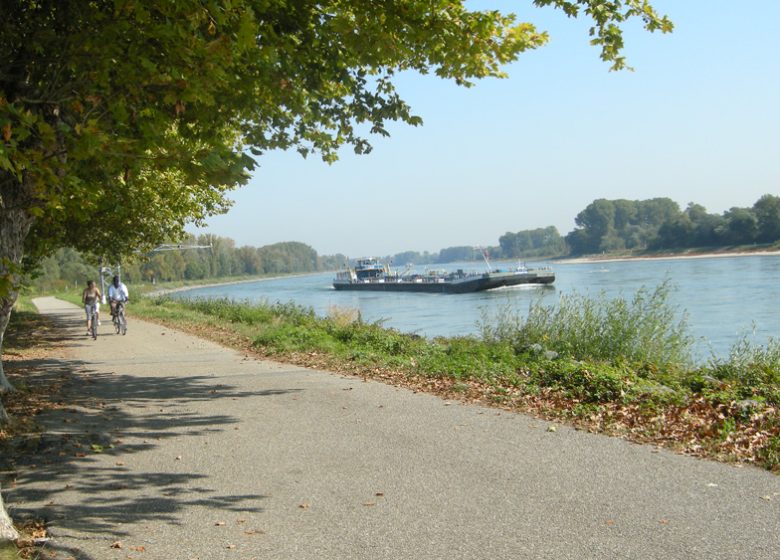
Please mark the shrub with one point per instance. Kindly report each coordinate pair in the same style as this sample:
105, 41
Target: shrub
642, 330
590, 383
750, 371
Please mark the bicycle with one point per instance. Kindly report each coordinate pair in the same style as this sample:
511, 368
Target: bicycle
119, 319
93, 322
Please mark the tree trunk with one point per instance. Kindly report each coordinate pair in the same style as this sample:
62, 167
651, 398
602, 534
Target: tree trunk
7, 530
5, 316
5, 385
15, 223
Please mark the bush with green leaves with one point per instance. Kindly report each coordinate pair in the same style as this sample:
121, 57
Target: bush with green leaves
643, 329
749, 372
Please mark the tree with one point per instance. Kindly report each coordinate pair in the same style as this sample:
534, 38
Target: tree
249, 260
704, 226
610, 225
675, 233
741, 226
286, 257
411, 257
135, 117
767, 212
457, 254
7, 530
532, 243
597, 221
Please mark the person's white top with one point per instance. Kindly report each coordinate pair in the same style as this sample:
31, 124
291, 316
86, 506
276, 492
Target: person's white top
118, 293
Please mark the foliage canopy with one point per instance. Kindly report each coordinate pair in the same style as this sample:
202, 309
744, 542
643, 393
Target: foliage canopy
137, 116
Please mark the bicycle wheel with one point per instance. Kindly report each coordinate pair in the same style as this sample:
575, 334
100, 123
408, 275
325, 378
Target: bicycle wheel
122, 323
115, 320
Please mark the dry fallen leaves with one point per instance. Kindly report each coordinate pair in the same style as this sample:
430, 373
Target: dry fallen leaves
693, 428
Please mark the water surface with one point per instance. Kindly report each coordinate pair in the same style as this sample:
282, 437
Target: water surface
724, 297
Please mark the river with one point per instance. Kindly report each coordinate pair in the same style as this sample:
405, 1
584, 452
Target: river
724, 298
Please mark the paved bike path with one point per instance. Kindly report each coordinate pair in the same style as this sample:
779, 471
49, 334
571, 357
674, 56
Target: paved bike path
190, 450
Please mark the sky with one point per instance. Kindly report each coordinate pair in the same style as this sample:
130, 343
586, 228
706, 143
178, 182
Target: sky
698, 120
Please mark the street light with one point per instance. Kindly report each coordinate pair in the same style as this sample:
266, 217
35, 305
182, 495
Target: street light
164, 247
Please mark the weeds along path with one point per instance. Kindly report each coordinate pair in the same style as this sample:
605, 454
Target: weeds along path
174, 447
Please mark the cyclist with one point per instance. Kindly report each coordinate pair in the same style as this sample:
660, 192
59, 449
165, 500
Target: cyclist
117, 292
90, 298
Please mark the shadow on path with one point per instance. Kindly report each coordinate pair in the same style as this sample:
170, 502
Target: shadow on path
72, 473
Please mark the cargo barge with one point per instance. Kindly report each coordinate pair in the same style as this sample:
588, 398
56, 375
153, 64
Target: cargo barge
371, 275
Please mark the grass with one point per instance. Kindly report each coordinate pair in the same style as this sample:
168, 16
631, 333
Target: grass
619, 366
640, 330
24, 304
615, 366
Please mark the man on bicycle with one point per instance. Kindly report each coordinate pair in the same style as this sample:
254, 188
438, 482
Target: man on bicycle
117, 292
90, 298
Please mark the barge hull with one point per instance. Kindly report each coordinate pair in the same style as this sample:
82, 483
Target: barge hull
478, 284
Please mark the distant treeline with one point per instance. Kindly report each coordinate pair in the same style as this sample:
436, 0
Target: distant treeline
606, 226
603, 226
659, 224
220, 258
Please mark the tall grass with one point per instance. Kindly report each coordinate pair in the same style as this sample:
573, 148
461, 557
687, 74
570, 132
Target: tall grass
750, 371
644, 329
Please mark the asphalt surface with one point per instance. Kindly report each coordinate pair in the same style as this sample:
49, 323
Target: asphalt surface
182, 449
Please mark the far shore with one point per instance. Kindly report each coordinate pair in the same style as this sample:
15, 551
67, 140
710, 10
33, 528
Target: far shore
563, 260
670, 256
166, 291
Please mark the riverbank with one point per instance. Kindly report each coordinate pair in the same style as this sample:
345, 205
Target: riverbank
163, 291
727, 410
693, 254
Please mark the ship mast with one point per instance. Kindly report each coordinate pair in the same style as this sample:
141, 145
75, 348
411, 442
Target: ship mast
485, 257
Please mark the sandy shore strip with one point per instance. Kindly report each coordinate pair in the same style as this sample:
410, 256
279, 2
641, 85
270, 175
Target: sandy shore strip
622, 258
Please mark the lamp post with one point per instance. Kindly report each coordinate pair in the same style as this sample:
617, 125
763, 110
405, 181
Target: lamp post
102, 271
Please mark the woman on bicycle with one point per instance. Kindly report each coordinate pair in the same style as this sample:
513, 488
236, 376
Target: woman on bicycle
90, 298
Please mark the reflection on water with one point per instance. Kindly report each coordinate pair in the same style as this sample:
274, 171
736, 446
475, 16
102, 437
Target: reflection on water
724, 298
